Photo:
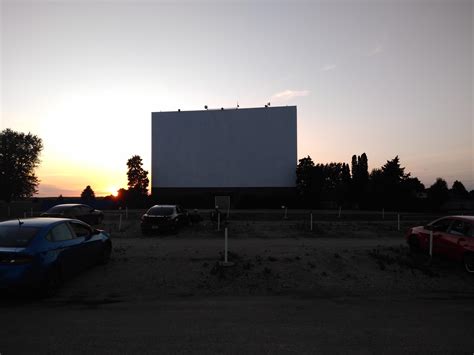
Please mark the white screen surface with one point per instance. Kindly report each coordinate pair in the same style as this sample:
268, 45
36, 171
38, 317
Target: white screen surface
224, 148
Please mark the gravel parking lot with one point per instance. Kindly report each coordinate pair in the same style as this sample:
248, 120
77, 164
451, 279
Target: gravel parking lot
350, 285
271, 257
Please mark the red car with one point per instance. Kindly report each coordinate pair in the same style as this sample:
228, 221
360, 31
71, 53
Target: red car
453, 237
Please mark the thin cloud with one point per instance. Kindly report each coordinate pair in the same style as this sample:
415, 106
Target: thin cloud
289, 94
375, 51
328, 67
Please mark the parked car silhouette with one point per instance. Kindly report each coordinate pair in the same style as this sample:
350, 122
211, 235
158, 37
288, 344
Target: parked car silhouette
453, 237
40, 253
81, 212
164, 217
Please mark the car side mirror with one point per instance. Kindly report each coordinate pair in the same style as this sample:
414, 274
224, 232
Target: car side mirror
95, 231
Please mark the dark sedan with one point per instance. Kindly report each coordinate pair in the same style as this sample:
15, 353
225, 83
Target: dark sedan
39, 253
81, 212
164, 217
453, 237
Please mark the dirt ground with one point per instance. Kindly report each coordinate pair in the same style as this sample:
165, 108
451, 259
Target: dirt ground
348, 286
340, 257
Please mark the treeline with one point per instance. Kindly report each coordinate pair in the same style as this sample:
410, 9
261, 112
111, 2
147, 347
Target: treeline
389, 187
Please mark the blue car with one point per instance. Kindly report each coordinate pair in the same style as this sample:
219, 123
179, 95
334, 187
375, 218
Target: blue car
40, 253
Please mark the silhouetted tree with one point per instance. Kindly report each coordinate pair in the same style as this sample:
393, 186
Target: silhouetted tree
137, 176
329, 184
304, 171
360, 178
88, 194
122, 197
391, 188
19, 156
438, 193
138, 181
393, 177
459, 191
376, 189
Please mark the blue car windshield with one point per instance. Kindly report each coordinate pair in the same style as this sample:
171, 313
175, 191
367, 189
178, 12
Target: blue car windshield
16, 236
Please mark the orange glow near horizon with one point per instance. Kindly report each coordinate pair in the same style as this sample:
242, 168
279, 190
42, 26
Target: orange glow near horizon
113, 191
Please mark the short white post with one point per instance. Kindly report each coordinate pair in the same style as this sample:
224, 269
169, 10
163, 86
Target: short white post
218, 221
225, 246
126, 212
286, 212
383, 213
311, 219
339, 215
24, 215
398, 219
120, 223
431, 243
31, 211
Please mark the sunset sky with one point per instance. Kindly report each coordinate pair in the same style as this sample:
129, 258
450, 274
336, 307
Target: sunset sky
382, 77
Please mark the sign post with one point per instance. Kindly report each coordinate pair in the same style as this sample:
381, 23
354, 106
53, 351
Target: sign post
226, 261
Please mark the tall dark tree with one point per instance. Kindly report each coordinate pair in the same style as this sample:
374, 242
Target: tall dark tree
438, 193
458, 190
391, 188
360, 179
393, 178
137, 177
88, 194
304, 172
19, 156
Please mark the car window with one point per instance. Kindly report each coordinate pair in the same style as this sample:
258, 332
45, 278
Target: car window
160, 211
80, 230
16, 236
459, 228
58, 209
60, 233
70, 212
470, 231
442, 225
86, 209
